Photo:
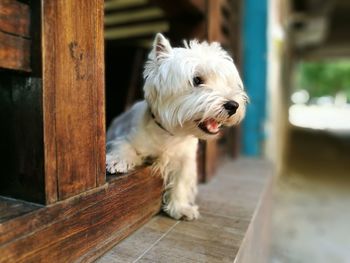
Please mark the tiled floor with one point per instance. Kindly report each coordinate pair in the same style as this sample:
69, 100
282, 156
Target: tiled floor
226, 204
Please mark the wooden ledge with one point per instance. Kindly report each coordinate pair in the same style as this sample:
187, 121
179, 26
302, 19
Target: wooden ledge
85, 226
234, 223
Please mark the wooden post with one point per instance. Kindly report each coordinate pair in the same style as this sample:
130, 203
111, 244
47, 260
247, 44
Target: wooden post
73, 93
54, 141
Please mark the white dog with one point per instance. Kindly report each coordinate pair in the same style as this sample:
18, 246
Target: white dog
189, 93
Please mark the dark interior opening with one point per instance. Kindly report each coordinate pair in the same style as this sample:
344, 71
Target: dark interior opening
124, 66
21, 137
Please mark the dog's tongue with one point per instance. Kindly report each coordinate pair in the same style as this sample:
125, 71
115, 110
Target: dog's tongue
212, 125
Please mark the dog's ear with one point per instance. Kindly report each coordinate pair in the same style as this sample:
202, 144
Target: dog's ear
161, 46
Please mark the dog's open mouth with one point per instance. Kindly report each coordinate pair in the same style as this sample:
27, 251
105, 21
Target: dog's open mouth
210, 126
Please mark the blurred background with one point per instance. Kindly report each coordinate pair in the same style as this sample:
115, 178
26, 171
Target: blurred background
294, 59
308, 129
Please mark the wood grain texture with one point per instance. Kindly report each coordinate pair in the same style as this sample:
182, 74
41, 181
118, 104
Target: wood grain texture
14, 35
14, 18
12, 208
81, 228
234, 211
73, 77
14, 52
29, 223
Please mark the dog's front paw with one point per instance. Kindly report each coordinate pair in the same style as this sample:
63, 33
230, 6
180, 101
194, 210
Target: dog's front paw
116, 165
186, 212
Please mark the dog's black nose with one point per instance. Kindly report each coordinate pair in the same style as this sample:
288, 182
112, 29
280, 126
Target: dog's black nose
231, 107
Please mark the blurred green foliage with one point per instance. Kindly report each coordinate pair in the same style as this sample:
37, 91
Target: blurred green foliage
324, 78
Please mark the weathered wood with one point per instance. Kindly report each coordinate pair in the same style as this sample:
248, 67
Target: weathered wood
29, 223
73, 79
14, 35
12, 208
91, 222
14, 52
14, 18
234, 219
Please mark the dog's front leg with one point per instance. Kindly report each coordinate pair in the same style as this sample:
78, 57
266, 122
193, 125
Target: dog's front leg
181, 190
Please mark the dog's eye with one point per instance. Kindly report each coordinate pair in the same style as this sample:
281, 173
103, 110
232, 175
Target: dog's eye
197, 81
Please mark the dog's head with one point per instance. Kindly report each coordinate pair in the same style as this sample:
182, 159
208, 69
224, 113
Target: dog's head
193, 90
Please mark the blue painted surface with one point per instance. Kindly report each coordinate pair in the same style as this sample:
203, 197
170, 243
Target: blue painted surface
254, 74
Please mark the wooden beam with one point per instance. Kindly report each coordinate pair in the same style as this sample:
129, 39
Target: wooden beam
194, 8
14, 35
14, 52
123, 4
216, 22
14, 18
84, 226
73, 86
133, 16
12, 208
129, 31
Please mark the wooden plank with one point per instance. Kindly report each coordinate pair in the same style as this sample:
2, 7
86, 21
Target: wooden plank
234, 211
123, 4
194, 8
211, 157
12, 208
84, 226
128, 31
132, 16
130, 248
214, 20
100, 110
211, 238
14, 18
14, 52
29, 223
73, 77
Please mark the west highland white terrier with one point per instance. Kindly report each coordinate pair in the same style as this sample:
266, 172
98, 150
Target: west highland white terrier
190, 93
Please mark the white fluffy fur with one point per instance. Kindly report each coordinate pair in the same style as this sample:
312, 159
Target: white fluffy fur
178, 106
